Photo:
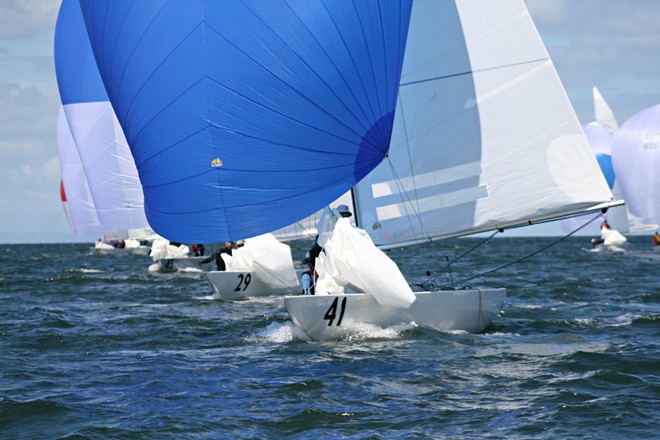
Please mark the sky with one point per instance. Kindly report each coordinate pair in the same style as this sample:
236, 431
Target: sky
611, 44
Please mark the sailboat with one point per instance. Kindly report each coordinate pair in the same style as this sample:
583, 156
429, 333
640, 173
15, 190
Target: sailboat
636, 160
600, 135
105, 170
484, 138
244, 117
262, 276
620, 217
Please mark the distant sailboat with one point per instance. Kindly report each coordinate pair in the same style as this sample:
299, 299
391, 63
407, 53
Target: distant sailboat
636, 160
107, 171
600, 135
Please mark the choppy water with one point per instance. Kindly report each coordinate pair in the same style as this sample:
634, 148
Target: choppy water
95, 347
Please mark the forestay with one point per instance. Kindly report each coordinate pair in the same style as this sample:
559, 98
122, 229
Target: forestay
247, 116
106, 159
484, 135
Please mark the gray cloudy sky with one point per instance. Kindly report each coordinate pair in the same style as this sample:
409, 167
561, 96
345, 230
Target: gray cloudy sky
612, 44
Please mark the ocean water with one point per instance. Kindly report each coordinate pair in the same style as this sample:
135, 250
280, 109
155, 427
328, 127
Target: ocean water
95, 347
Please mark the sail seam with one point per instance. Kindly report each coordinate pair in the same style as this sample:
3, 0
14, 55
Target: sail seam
319, 107
470, 72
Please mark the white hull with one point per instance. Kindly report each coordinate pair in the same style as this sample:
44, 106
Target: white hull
237, 285
334, 316
142, 250
181, 264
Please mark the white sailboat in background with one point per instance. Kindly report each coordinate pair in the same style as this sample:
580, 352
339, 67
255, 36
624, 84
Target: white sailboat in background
600, 135
620, 217
636, 160
484, 138
98, 169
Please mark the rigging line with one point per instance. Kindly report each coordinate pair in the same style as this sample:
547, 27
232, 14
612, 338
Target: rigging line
403, 192
410, 202
305, 230
449, 263
530, 255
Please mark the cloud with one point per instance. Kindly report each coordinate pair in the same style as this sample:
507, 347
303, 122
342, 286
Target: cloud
28, 115
27, 18
547, 11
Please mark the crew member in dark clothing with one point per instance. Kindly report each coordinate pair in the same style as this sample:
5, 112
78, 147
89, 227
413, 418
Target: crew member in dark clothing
217, 256
198, 250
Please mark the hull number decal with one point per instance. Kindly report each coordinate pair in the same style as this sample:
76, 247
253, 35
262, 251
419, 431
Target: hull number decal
243, 282
331, 314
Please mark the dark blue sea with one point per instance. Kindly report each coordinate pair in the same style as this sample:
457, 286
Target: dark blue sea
95, 347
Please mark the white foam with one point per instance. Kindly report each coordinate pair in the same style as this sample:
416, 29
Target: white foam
278, 333
83, 270
359, 331
190, 270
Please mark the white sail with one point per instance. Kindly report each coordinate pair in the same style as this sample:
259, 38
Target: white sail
636, 160
600, 139
108, 163
603, 112
81, 210
484, 135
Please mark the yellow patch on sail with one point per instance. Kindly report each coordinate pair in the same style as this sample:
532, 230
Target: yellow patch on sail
216, 163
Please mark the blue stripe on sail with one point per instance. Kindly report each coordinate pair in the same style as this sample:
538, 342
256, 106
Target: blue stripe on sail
605, 163
78, 78
295, 99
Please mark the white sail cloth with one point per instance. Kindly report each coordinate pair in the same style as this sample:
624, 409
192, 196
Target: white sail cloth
162, 249
267, 258
612, 237
350, 257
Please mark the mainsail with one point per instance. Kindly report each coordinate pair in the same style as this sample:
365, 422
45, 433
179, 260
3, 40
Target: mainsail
246, 116
106, 159
603, 113
484, 135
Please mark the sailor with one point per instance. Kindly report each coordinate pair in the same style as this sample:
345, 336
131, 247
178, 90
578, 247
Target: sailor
308, 278
217, 256
656, 239
198, 250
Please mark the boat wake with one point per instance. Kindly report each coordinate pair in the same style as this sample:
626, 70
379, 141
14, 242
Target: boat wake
279, 333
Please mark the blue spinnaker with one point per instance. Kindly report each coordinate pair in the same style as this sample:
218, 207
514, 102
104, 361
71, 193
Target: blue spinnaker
245, 116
